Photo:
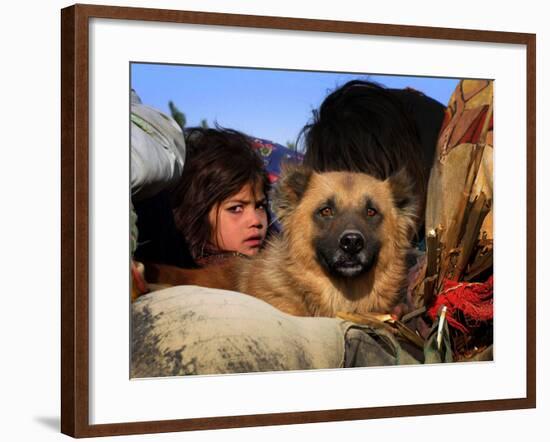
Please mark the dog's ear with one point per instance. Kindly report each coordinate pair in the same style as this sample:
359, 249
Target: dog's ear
289, 189
405, 196
402, 187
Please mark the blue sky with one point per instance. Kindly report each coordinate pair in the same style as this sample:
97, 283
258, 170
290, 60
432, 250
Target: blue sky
270, 104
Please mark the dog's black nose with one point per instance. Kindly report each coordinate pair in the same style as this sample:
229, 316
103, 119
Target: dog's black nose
352, 242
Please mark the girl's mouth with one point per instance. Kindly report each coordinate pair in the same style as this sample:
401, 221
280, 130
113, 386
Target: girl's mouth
253, 241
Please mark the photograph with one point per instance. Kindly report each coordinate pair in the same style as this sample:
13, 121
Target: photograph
275, 221
289, 220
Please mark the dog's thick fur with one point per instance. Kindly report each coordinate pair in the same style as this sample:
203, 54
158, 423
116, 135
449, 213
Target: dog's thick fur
343, 247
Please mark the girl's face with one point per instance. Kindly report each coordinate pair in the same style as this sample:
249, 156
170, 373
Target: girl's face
240, 222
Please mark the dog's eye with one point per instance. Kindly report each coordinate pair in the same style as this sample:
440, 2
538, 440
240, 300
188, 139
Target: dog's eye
326, 211
371, 211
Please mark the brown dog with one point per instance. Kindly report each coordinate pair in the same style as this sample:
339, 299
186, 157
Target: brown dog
343, 247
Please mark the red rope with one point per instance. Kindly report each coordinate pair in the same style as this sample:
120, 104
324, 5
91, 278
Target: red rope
474, 300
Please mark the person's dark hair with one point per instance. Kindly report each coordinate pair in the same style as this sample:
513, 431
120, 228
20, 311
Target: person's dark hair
219, 162
364, 127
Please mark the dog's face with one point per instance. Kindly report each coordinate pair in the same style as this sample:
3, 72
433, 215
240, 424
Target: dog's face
347, 233
346, 223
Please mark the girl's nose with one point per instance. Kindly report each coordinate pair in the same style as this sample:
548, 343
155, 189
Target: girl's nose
256, 219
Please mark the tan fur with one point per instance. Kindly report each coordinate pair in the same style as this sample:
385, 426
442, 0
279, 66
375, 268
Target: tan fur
287, 275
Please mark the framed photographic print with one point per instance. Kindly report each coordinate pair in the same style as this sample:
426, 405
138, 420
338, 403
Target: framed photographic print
377, 163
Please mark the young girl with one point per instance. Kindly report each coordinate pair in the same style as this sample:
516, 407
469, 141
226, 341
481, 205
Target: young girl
220, 203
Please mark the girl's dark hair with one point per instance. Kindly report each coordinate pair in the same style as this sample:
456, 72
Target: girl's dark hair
363, 127
218, 163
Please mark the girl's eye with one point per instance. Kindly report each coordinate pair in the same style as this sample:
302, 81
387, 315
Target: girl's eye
261, 206
371, 211
326, 212
235, 209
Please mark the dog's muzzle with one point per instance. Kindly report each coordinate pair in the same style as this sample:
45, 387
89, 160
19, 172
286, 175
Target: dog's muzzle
352, 242
350, 260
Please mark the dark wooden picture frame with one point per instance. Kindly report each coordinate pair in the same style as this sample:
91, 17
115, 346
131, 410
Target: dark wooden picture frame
75, 219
